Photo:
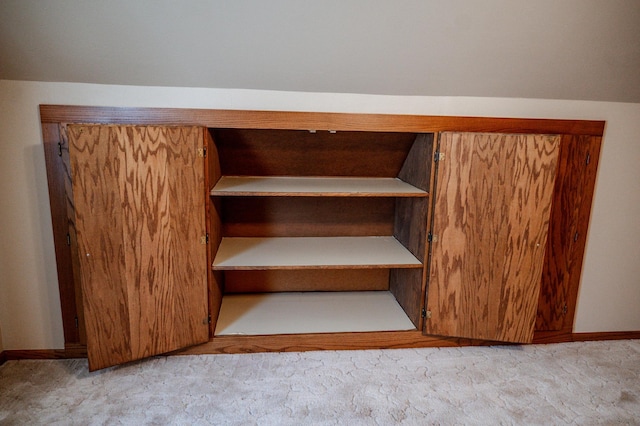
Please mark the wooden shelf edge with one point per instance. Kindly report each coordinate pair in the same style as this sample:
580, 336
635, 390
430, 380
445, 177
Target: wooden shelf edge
314, 267
215, 193
294, 186
314, 120
274, 253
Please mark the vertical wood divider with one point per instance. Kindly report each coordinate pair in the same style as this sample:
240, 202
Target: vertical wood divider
433, 175
214, 229
570, 212
58, 176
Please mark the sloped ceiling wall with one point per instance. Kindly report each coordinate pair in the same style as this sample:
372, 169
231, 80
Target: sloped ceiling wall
569, 49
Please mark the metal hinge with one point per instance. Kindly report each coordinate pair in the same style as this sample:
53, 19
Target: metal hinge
202, 152
431, 238
426, 314
68, 239
565, 309
588, 160
438, 156
204, 239
77, 323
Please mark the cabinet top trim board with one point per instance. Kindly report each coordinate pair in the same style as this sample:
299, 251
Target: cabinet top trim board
313, 120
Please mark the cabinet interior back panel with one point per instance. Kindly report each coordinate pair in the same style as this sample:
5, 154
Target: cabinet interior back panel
302, 153
287, 280
306, 216
311, 312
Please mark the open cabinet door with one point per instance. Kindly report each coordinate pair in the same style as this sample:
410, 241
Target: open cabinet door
139, 217
490, 222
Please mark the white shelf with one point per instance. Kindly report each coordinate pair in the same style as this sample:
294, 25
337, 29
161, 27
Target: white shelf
314, 186
313, 252
312, 312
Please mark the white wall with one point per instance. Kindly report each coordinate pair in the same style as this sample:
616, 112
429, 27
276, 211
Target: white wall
569, 49
29, 303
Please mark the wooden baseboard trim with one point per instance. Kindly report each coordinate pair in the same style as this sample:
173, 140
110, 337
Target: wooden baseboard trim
70, 351
560, 336
317, 342
564, 336
17, 354
607, 335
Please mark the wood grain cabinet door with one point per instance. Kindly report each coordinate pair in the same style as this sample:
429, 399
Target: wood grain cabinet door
140, 215
490, 224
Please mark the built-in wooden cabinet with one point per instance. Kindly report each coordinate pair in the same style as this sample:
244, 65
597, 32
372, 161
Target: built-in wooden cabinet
252, 231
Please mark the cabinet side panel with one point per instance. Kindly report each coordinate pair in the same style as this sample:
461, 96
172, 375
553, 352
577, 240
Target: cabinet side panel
416, 168
410, 227
411, 231
491, 220
570, 213
406, 287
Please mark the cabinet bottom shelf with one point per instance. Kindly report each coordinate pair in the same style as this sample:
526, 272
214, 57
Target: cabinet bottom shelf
310, 312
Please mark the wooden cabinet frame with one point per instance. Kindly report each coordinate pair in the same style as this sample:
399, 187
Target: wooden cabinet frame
571, 206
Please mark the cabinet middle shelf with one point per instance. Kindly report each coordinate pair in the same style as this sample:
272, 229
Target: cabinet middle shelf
315, 187
240, 253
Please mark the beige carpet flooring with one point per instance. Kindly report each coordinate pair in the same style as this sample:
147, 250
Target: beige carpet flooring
572, 383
